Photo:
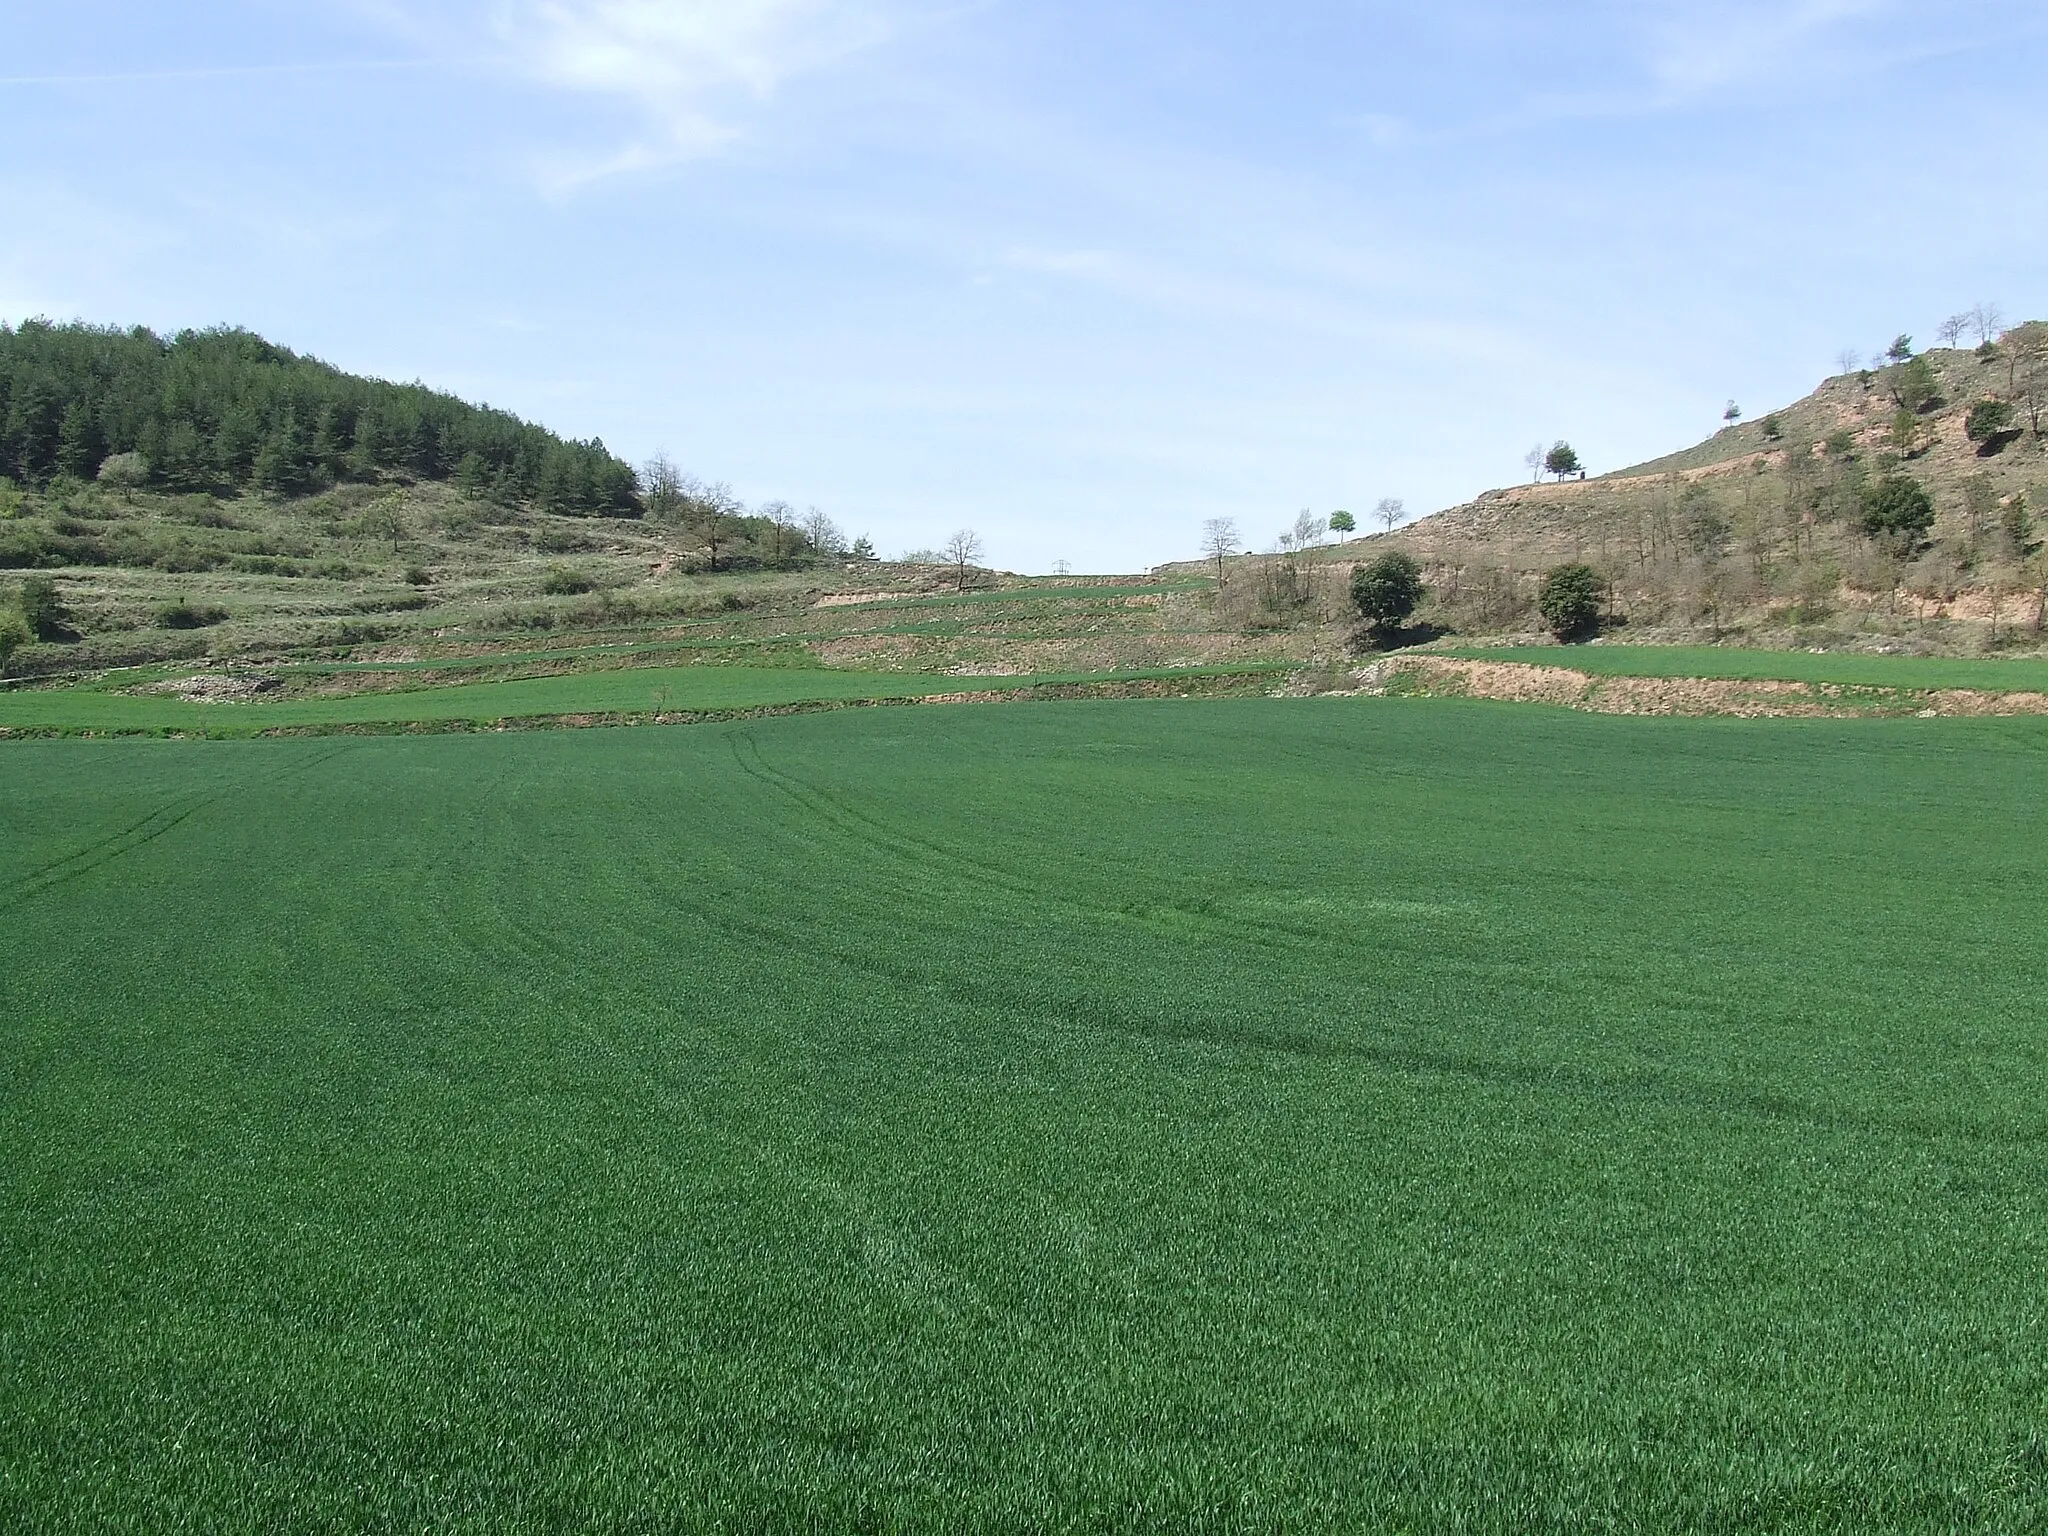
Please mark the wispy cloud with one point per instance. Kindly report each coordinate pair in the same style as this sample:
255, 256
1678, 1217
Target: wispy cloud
1699, 48
691, 71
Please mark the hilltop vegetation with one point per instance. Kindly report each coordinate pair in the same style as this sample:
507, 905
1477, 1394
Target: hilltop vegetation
1902, 501
225, 411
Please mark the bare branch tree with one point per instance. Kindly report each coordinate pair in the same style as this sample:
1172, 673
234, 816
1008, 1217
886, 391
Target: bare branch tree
1848, 360
1308, 529
1950, 331
1987, 320
1534, 459
822, 534
661, 485
1219, 539
1390, 511
710, 510
961, 551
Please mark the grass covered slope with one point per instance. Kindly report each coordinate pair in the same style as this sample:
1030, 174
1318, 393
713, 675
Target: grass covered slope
1243, 1115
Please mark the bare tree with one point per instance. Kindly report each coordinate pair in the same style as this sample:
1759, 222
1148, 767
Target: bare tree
1391, 510
1848, 360
822, 534
1950, 331
1534, 459
785, 535
711, 510
1986, 320
386, 519
1219, 539
961, 551
2026, 366
662, 486
1308, 529
1062, 568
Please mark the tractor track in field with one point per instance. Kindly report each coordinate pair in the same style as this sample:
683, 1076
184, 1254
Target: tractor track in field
26, 887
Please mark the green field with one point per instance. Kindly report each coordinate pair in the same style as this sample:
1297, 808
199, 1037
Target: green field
1847, 668
1247, 1115
613, 691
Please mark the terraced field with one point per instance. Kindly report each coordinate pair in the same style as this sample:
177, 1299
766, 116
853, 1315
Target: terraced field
1847, 668
1241, 1115
639, 692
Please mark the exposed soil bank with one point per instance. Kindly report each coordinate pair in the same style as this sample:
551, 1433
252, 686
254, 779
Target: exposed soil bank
1446, 676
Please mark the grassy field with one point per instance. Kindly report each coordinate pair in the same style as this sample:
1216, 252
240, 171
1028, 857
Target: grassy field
1246, 1115
617, 690
1850, 669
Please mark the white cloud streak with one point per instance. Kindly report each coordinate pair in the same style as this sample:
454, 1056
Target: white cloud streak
1701, 48
692, 71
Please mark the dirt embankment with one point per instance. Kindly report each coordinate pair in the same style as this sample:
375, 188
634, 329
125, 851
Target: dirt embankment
1519, 682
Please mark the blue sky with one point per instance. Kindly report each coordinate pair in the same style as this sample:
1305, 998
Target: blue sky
1076, 275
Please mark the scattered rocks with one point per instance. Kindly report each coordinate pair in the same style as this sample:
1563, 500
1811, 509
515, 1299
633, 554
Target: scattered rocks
244, 689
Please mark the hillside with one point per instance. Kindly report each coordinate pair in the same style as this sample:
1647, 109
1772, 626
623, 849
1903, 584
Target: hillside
1760, 530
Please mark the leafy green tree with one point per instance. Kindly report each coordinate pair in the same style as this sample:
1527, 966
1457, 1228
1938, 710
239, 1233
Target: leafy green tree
1774, 429
1914, 385
863, 549
1900, 349
123, 471
1897, 507
2017, 524
1385, 592
473, 476
1570, 601
43, 609
1561, 460
1343, 522
14, 634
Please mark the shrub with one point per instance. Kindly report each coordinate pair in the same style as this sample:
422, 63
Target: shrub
1987, 424
1386, 591
561, 581
560, 541
1570, 601
184, 615
418, 576
1898, 507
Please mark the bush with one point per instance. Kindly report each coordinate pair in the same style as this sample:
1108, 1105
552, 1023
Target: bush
1386, 591
1987, 424
560, 541
184, 615
1570, 601
1899, 507
561, 581
418, 576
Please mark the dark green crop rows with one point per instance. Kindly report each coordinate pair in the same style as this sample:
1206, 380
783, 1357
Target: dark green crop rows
1250, 1115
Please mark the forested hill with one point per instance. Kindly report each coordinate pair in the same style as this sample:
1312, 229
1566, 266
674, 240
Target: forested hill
225, 410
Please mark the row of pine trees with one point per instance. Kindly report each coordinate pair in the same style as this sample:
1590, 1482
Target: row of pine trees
226, 411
